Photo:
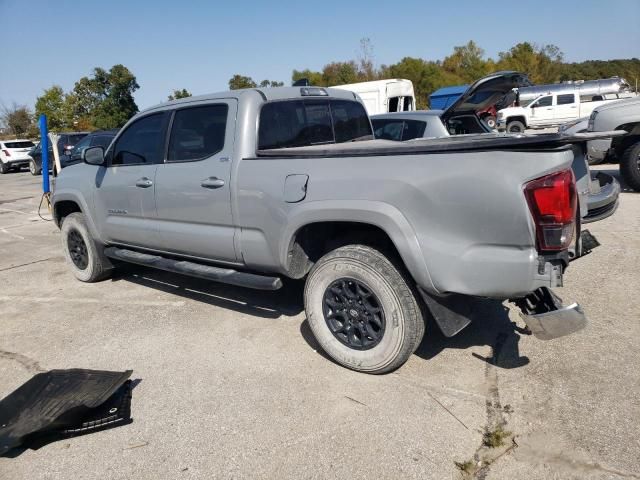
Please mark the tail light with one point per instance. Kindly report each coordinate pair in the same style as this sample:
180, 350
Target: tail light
6, 152
553, 202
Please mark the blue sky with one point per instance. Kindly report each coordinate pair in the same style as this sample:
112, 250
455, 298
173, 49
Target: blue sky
199, 45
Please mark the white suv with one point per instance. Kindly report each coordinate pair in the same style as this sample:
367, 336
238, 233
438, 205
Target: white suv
14, 154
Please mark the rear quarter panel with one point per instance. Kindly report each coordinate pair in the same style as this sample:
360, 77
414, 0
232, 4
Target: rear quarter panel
459, 220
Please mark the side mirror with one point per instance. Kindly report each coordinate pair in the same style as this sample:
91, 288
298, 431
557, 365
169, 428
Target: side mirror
93, 156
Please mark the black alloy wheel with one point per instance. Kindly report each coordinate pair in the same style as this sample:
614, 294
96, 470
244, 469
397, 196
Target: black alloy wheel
353, 314
78, 250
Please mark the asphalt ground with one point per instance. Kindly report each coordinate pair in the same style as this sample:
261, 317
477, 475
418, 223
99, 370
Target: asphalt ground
231, 384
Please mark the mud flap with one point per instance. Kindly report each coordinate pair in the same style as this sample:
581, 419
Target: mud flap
64, 403
547, 317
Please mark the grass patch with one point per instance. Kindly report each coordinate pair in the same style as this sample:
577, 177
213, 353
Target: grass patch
495, 438
466, 467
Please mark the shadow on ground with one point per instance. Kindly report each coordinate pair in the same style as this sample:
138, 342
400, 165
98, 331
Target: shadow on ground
491, 323
266, 304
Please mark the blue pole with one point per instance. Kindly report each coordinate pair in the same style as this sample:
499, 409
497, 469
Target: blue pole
44, 147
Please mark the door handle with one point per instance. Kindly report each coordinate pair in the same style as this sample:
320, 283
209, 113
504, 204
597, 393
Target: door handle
143, 182
212, 182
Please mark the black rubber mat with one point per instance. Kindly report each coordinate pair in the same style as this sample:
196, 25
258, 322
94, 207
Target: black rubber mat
63, 403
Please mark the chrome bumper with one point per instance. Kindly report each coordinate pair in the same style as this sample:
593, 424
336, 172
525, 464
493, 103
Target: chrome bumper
547, 317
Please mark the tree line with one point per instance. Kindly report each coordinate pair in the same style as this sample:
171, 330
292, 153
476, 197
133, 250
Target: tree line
104, 99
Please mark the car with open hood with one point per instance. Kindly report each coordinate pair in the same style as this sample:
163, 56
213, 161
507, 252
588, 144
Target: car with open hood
598, 192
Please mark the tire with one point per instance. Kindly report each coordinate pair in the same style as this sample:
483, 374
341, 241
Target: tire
34, 169
630, 166
516, 126
490, 120
368, 278
84, 255
3, 168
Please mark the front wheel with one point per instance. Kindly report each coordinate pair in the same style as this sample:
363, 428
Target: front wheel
515, 126
363, 310
630, 166
84, 255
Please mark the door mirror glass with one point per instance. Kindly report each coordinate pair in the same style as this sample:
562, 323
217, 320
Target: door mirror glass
93, 156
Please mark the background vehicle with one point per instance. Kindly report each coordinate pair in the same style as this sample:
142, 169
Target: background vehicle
248, 186
622, 115
99, 138
14, 154
66, 142
395, 95
598, 192
543, 106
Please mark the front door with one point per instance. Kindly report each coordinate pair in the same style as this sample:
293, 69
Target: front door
193, 186
542, 111
125, 188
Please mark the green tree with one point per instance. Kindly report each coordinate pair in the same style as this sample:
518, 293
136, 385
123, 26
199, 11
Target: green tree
315, 78
340, 73
18, 119
105, 100
271, 83
467, 62
240, 81
178, 94
54, 104
543, 63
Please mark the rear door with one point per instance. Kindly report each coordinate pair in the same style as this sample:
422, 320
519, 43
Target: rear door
193, 185
566, 108
124, 198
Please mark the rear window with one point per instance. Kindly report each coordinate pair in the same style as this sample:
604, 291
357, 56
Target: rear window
299, 123
395, 129
18, 144
566, 99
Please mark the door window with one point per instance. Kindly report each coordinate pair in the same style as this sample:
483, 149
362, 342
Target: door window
566, 99
543, 102
197, 132
141, 143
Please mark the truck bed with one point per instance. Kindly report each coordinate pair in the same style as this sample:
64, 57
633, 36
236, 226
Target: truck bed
458, 143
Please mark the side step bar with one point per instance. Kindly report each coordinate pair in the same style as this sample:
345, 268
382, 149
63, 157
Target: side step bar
192, 269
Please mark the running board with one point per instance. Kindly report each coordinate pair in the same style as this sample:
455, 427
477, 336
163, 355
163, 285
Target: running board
192, 269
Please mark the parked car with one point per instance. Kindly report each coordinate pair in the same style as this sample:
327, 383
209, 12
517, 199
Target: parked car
14, 154
100, 138
622, 115
249, 186
598, 192
66, 142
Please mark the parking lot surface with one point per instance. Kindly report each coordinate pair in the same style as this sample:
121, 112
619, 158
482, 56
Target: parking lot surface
232, 384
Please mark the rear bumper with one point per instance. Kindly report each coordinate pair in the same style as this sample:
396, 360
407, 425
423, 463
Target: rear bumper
547, 317
598, 149
603, 197
17, 162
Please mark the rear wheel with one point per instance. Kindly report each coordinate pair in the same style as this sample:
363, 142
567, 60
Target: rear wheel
4, 168
490, 120
515, 126
33, 168
630, 166
363, 310
84, 255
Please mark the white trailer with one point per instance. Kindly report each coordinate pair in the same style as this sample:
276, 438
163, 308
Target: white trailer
382, 96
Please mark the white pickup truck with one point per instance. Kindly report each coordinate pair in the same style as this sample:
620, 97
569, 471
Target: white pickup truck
552, 110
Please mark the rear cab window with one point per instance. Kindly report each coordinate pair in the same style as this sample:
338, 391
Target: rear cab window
300, 123
197, 132
566, 99
25, 144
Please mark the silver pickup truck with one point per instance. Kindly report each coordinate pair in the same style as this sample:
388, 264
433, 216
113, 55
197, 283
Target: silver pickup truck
252, 186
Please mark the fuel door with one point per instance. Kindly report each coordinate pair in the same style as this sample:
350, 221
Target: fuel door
295, 188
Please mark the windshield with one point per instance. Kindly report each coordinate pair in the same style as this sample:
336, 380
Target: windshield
73, 139
18, 144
